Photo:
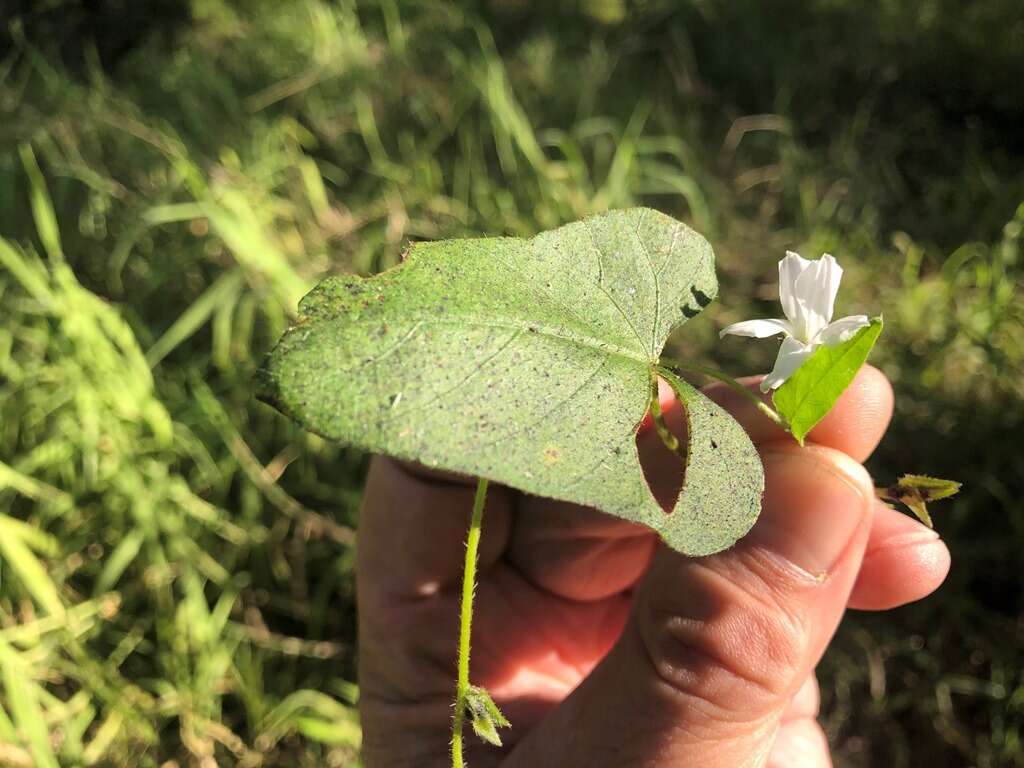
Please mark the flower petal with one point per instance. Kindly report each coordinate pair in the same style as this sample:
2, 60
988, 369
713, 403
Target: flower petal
816, 289
841, 330
758, 329
790, 269
791, 356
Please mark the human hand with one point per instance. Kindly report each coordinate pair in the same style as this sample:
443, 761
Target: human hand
605, 648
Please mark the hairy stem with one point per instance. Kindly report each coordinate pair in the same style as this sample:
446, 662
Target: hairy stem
729, 381
466, 620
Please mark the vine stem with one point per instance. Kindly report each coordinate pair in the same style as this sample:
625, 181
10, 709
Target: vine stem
466, 620
729, 381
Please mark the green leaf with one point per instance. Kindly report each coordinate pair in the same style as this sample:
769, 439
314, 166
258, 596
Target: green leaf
529, 362
914, 491
805, 398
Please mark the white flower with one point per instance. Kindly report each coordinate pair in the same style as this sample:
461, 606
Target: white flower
807, 290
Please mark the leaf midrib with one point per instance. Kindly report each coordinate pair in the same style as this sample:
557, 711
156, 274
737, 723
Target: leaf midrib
507, 324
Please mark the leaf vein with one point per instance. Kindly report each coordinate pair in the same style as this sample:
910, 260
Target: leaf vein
654, 278
519, 325
600, 285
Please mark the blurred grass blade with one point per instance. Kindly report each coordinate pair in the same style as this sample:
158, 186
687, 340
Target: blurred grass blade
96, 749
173, 213
118, 561
233, 218
615, 192
223, 290
26, 566
26, 270
7, 731
42, 206
333, 732
303, 704
33, 536
22, 697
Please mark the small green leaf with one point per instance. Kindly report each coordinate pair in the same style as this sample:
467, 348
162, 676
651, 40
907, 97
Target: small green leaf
528, 362
809, 394
914, 491
485, 715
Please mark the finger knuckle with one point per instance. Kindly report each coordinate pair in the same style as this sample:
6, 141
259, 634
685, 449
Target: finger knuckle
733, 652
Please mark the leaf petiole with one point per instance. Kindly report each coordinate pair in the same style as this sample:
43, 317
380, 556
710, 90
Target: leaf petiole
676, 366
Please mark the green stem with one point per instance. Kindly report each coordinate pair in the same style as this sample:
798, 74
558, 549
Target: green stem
729, 381
466, 620
671, 441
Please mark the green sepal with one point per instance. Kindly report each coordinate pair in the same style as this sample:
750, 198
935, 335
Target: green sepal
485, 715
915, 491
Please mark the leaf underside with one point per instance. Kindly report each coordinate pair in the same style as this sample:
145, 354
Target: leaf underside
809, 394
528, 362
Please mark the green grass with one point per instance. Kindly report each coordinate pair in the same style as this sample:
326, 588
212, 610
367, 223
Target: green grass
176, 559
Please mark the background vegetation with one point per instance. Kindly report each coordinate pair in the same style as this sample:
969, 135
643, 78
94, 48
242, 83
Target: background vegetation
176, 560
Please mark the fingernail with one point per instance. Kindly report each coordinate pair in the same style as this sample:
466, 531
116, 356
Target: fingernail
815, 502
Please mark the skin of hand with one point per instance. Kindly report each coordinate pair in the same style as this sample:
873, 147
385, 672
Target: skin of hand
605, 648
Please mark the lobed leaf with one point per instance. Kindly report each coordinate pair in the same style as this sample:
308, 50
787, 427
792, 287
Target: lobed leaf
805, 398
528, 362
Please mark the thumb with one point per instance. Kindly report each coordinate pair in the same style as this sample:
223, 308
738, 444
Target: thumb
716, 647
